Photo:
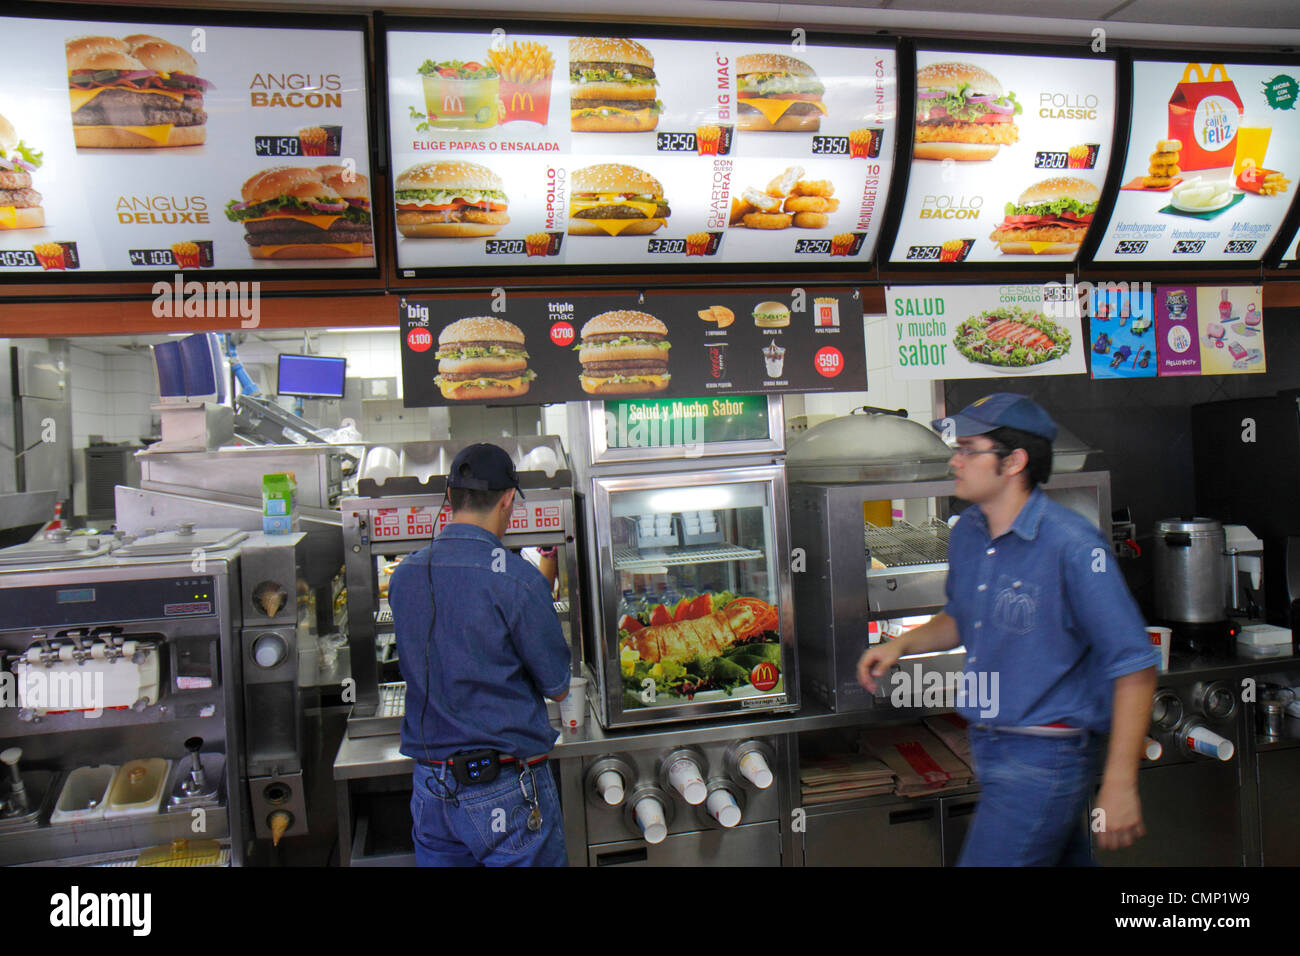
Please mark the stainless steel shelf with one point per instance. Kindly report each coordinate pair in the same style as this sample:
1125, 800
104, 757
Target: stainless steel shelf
903, 544
630, 559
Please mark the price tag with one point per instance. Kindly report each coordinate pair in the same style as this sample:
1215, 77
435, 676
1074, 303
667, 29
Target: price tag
830, 146
1189, 246
675, 142
504, 247
1130, 247
829, 361
1239, 247
812, 246
676, 247
924, 253
277, 146
18, 259
151, 257
1049, 160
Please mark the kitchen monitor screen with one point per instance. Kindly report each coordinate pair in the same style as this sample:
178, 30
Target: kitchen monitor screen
312, 376
1009, 156
1212, 155
534, 149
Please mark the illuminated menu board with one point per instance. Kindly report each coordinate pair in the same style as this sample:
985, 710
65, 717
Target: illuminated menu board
1008, 159
1212, 153
152, 147
530, 150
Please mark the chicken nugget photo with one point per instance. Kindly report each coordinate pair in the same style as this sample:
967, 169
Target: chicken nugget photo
811, 220
806, 204
768, 220
814, 187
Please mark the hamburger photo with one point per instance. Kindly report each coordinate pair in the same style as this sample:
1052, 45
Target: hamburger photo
450, 199
623, 353
777, 93
1050, 217
480, 358
20, 204
295, 212
138, 92
771, 315
611, 86
615, 200
962, 113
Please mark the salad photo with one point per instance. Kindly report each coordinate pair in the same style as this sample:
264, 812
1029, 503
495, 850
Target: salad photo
714, 642
1011, 337
461, 95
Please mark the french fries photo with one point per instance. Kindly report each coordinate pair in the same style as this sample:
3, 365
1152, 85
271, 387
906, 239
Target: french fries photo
523, 63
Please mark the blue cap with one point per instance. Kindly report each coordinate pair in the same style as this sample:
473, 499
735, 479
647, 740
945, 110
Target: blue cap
1000, 410
484, 467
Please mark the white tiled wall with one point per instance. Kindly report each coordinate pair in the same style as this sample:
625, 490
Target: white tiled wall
111, 395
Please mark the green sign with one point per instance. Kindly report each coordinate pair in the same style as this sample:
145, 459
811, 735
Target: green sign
1281, 92
667, 422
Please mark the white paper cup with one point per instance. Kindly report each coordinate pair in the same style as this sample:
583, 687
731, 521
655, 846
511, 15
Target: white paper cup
1152, 749
722, 807
685, 777
610, 786
650, 818
754, 768
573, 709
1207, 742
1161, 637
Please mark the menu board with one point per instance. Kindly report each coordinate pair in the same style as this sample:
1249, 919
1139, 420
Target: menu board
157, 147
986, 331
530, 150
1009, 155
1212, 153
533, 350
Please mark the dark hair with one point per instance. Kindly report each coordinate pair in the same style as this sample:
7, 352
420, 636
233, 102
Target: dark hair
1039, 450
474, 499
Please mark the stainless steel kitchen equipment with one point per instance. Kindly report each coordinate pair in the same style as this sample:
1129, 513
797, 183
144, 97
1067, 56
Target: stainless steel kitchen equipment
685, 548
1191, 582
121, 652
874, 536
35, 423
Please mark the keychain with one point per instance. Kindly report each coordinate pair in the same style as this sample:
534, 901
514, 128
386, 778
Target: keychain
535, 812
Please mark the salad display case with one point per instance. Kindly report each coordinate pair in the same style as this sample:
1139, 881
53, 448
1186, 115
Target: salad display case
688, 604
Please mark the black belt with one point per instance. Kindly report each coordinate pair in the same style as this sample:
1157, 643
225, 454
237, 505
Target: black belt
503, 759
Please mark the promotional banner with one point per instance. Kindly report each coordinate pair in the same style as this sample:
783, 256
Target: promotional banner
940, 332
536, 149
147, 147
1009, 156
1210, 330
1121, 328
1211, 157
556, 349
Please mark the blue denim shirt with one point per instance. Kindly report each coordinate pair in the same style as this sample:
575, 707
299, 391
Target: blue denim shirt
476, 671
1046, 609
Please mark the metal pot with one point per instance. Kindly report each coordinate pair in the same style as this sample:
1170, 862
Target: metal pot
1189, 567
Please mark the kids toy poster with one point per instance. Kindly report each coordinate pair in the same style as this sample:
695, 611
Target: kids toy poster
1230, 323
1121, 332
1177, 335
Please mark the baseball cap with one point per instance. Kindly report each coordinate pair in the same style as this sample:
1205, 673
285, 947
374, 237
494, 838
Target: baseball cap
1000, 410
484, 467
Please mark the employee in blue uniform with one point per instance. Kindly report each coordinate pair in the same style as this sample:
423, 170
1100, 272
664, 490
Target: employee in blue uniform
479, 645
1037, 598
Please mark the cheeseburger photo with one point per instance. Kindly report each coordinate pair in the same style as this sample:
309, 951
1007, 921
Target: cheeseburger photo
480, 358
295, 212
623, 353
777, 93
962, 113
450, 200
611, 86
138, 92
615, 200
20, 204
1050, 217
771, 315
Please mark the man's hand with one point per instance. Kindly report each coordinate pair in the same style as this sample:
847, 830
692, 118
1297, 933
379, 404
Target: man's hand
876, 662
1121, 816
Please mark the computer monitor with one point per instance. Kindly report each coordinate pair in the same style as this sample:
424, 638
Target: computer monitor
311, 376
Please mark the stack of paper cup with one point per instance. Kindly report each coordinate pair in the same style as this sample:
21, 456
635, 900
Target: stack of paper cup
573, 709
380, 464
1161, 638
650, 818
722, 807
753, 766
684, 775
610, 786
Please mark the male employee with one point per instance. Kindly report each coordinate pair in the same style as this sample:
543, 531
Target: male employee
1037, 598
479, 644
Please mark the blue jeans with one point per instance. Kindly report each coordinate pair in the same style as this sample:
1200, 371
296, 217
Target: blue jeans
484, 824
1034, 793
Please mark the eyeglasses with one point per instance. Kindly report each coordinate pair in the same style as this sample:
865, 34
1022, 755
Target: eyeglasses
963, 452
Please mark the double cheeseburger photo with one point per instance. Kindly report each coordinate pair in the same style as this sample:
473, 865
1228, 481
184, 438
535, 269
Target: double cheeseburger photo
962, 113
1051, 217
20, 204
450, 200
613, 199
135, 92
623, 353
481, 358
776, 93
611, 86
299, 212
